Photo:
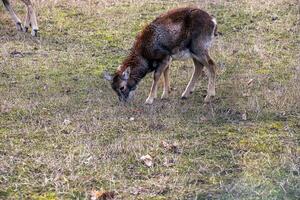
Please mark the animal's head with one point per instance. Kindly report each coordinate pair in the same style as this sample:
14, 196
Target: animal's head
122, 85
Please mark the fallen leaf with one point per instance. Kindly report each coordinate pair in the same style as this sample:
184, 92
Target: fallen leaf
16, 54
147, 160
101, 195
165, 144
250, 81
171, 147
168, 162
66, 122
203, 119
245, 94
138, 190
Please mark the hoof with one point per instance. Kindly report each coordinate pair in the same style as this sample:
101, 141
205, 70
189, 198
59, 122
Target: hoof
149, 101
34, 33
19, 26
183, 97
25, 29
208, 99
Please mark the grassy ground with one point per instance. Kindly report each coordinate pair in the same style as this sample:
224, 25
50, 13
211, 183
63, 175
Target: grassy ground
64, 134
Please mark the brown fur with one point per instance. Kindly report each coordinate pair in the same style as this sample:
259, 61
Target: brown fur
179, 30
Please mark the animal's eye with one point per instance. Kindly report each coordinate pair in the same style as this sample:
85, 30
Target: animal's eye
122, 88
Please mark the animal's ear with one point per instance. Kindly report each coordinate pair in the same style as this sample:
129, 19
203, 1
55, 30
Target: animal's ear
125, 74
107, 76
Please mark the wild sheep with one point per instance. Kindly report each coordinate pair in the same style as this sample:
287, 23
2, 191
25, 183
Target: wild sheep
178, 34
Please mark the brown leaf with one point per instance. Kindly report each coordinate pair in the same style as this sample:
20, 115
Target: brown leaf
171, 147
147, 160
138, 190
250, 81
203, 119
101, 195
16, 54
168, 162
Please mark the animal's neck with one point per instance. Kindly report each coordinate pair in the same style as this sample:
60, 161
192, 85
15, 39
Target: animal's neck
129, 61
138, 69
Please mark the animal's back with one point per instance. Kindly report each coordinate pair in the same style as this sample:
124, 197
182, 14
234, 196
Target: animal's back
174, 31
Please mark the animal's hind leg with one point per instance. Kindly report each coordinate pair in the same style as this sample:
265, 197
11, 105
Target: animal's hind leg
33, 21
211, 90
198, 70
27, 23
31, 17
13, 15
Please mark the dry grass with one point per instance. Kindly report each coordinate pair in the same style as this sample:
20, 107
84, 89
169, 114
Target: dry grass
63, 132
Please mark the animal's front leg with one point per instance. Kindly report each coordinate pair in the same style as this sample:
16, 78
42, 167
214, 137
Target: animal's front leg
153, 91
160, 69
166, 90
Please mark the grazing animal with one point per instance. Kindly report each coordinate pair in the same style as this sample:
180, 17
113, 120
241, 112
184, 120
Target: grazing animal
30, 19
178, 34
